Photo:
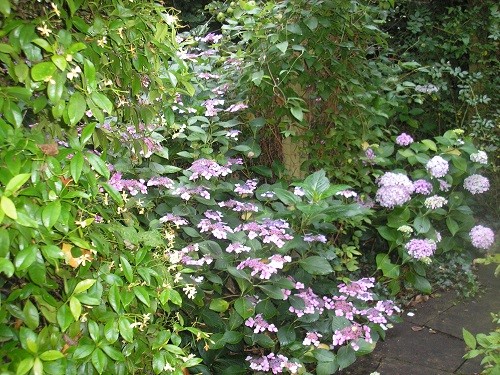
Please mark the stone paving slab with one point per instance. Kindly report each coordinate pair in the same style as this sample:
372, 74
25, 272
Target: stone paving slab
394, 367
435, 346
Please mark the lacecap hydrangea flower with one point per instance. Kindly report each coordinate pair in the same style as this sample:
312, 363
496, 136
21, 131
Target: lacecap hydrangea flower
482, 237
476, 184
437, 167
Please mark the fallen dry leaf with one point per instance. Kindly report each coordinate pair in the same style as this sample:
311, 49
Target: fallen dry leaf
416, 328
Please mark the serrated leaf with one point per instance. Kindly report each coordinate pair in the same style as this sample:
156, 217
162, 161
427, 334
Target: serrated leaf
244, 307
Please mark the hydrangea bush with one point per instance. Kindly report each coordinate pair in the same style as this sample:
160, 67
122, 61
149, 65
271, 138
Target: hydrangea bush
425, 202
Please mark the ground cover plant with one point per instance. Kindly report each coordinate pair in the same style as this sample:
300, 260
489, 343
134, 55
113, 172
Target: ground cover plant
138, 234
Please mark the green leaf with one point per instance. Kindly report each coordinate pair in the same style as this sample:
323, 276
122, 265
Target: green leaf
346, 356
388, 269
76, 108
286, 335
102, 101
6, 267
114, 297
282, 46
76, 166
125, 330
64, 317
219, 305
127, 269
5, 7
113, 353
32, 318
25, 257
422, 224
55, 88
51, 355
422, 284
317, 182
98, 165
298, 113
452, 225
51, 213
113, 193
59, 61
469, 339
99, 360
8, 207
272, 291
75, 307
4, 242
430, 144
83, 350
84, 285
87, 133
15, 183
43, 71
311, 23
142, 294
89, 75
316, 265
25, 365
244, 307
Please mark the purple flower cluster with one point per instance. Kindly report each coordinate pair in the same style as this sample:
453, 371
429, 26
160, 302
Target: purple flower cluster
207, 168
347, 193
161, 181
237, 248
214, 224
236, 107
315, 238
260, 325
177, 220
312, 338
312, 303
298, 191
359, 289
476, 184
210, 107
247, 188
269, 230
133, 134
419, 249
352, 333
443, 185
422, 187
341, 306
437, 167
265, 267
187, 260
186, 192
482, 237
239, 206
133, 187
395, 189
404, 139
274, 363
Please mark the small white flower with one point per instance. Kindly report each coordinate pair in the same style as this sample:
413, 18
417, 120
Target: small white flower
44, 30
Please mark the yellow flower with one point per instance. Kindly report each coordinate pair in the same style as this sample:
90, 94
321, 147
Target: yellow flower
44, 30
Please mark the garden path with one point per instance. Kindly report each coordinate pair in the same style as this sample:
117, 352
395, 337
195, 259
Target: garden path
430, 342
